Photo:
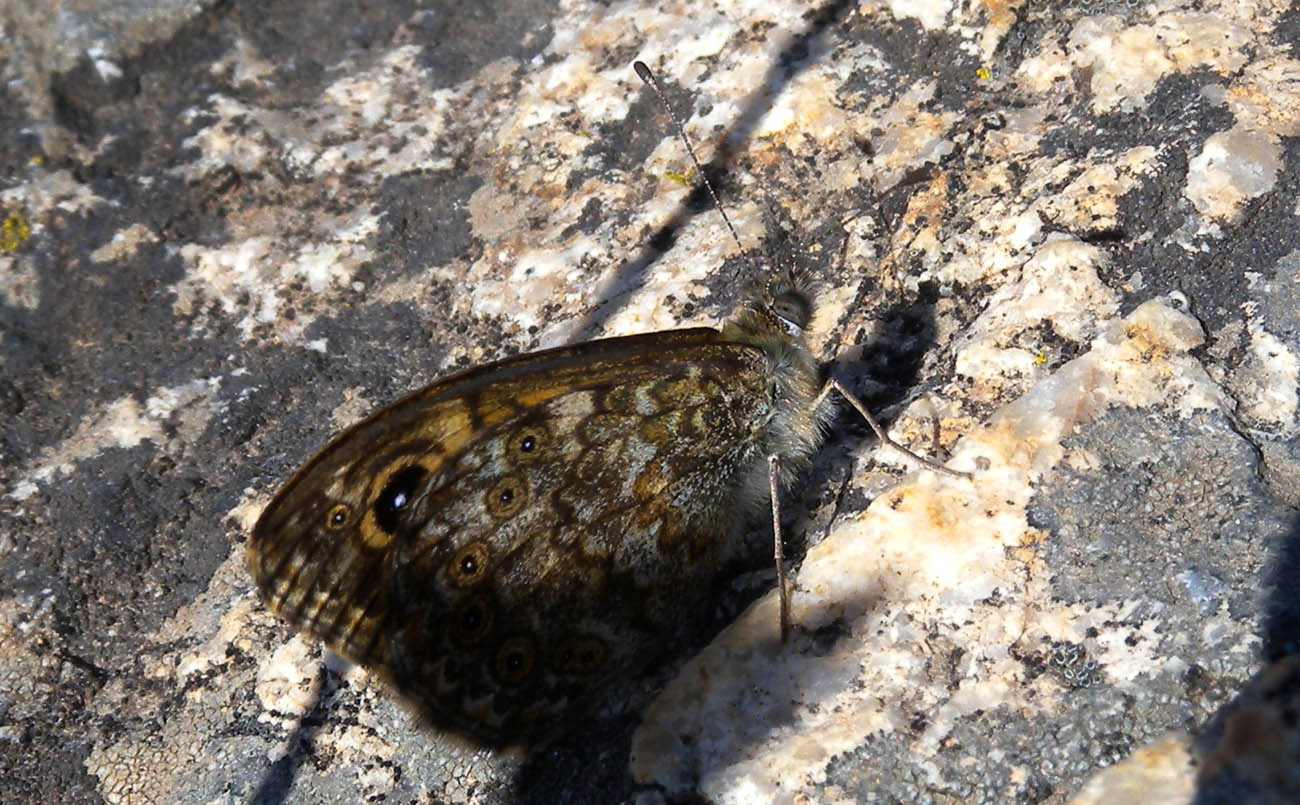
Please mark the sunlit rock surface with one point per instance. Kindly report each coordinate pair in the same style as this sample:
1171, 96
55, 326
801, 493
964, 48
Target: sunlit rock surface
1055, 245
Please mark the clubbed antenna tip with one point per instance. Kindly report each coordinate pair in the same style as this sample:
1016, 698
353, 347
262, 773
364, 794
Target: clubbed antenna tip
644, 73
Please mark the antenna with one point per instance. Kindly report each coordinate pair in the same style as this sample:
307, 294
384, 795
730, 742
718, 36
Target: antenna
653, 83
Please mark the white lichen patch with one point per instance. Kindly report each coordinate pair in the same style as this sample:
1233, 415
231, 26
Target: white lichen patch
914, 134
1232, 167
1127, 61
374, 119
365, 749
1243, 163
1162, 771
288, 682
27, 669
1010, 217
921, 564
248, 277
49, 191
125, 423
1090, 200
19, 283
212, 652
355, 405
242, 65
515, 271
1058, 285
125, 244
165, 750
223, 144
1269, 383
44, 194
932, 14
373, 123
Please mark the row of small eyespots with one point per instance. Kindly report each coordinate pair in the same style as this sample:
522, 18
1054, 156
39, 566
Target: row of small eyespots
388, 505
516, 656
504, 499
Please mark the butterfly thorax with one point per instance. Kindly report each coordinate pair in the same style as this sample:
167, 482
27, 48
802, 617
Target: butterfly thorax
795, 425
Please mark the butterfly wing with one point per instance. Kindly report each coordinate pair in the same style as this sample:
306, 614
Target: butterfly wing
508, 539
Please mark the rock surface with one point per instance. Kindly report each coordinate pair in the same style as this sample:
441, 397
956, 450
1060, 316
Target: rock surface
1056, 244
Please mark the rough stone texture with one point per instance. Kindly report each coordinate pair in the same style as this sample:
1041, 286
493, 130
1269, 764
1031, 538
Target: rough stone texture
1056, 242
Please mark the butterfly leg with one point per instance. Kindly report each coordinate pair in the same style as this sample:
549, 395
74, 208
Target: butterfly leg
836, 385
778, 552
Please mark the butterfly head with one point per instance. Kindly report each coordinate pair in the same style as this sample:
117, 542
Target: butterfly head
776, 310
788, 299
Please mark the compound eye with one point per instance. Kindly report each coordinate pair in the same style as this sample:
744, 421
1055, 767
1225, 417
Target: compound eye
793, 307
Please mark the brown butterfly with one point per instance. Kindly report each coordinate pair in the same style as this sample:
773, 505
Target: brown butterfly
504, 543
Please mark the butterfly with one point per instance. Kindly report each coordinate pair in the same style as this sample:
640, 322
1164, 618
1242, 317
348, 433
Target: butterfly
502, 545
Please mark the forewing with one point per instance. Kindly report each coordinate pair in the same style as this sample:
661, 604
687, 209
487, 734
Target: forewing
512, 537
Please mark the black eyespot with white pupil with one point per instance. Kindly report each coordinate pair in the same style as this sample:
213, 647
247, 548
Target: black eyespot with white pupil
514, 660
580, 655
506, 497
396, 497
468, 566
472, 621
526, 446
337, 517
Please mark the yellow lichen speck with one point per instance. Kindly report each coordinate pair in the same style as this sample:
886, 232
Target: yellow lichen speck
686, 179
14, 232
